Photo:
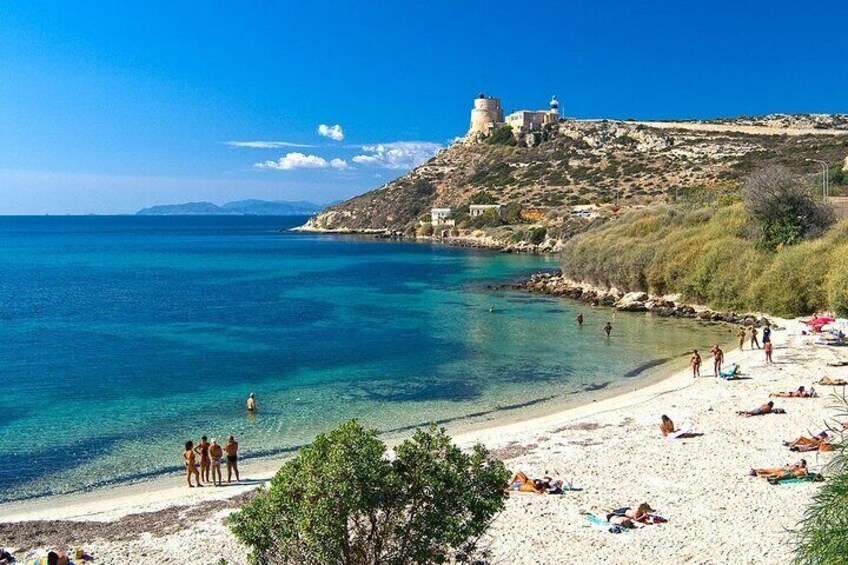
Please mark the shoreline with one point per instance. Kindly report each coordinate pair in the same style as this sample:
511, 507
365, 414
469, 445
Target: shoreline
611, 448
166, 489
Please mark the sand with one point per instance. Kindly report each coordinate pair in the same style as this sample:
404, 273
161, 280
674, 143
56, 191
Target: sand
611, 448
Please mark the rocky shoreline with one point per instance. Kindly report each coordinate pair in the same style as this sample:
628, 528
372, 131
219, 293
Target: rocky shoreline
554, 283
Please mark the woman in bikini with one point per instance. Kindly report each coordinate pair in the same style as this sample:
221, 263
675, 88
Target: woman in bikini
796, 471
191, 464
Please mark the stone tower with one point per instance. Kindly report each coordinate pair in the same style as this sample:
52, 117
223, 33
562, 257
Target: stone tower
485, 116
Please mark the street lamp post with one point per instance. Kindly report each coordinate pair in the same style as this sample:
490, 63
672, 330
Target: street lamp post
825, 175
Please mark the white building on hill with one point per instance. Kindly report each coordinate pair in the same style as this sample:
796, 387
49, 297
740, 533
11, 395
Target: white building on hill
524, 121
479, 209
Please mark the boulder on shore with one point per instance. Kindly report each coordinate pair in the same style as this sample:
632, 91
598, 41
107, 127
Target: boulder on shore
633, 302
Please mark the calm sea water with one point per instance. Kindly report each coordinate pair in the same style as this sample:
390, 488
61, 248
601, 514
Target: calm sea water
121, 337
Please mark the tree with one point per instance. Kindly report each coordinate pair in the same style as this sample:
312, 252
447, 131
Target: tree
502, 136
537, 235
482, 197
341, 501
784, 207
822, 539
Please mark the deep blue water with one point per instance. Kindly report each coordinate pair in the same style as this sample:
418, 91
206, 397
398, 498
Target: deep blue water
121, 337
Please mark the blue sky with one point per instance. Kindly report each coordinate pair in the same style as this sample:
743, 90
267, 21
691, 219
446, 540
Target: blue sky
106, 107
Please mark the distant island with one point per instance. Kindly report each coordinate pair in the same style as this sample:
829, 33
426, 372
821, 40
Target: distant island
238, 208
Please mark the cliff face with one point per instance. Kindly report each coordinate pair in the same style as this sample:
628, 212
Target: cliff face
594, 161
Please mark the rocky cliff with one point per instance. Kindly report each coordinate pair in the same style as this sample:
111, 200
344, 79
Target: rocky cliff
594, 161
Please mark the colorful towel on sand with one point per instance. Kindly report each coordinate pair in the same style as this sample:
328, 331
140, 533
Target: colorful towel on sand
809, 478
608, 526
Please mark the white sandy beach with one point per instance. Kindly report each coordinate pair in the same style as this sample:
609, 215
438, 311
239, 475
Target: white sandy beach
611, 448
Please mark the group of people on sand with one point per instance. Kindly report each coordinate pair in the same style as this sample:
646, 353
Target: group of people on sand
211, 455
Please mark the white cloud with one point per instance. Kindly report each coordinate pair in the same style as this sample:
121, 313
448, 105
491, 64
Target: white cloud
397, 155
265, 144
296, 160
333, 132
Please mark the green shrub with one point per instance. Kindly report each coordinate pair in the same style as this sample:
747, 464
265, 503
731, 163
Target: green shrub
537, 235
341, 501
836, 281
502, 136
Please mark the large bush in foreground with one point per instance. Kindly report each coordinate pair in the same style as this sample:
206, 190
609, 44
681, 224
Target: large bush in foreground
342, 501
823, 537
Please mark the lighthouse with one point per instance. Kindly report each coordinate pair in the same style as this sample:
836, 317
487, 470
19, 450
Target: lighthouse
554, 105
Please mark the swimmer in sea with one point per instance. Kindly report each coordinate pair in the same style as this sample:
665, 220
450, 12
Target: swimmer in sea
251, 403
491, 309
580, 319
608, 329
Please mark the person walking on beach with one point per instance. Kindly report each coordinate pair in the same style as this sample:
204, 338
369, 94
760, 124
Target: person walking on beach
767, 347
695, 361
754, 341
203, 450
191, 464
251, 403
766, 334
741, 335
718, 359
608, 329
232, 459
580, 319
215, 453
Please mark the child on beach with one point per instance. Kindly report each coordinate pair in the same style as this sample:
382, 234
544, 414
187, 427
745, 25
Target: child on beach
767, 347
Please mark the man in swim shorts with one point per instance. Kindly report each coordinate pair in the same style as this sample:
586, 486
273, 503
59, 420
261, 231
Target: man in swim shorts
251, 403
232, 459
215, 454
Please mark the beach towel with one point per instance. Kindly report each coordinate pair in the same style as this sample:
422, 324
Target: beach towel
730, 374
608, 526
808, 478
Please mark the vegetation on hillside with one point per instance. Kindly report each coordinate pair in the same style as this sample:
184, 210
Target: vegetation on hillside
714, 256
341, 500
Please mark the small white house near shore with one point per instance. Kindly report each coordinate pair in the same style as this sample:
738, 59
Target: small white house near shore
441, 216
479, 209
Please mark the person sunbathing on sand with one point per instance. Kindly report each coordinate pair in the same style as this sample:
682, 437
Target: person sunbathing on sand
832, 382
804, 444
57, 558
795, 471
522, 483
800, 393
767, 408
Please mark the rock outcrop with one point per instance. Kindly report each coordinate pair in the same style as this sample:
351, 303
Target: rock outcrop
554, 283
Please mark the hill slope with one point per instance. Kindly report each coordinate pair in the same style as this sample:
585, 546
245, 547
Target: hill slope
595, 161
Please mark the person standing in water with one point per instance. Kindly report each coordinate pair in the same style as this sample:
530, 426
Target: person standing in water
754, 341
608, 329
215, 453
232, 459
191, 464
580, 319
251, 403
695, 361
203, 450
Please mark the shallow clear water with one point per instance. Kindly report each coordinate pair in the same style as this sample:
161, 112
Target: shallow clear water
122, 337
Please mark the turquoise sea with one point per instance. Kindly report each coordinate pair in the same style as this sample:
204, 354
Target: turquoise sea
122, 337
